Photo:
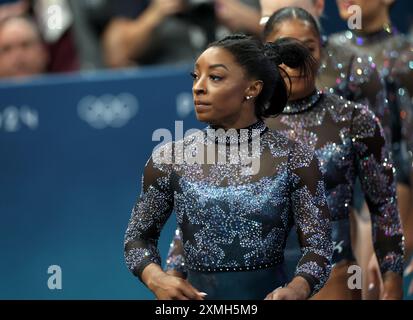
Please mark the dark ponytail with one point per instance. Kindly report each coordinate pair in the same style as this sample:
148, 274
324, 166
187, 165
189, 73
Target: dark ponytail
262, 62
292, 53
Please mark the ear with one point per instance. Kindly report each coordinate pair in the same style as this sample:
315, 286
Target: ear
254, 89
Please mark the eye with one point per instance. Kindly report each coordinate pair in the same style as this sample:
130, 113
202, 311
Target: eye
194, 75
215, 78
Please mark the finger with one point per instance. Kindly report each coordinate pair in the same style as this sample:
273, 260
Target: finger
268, 297
374, 280
278, 296
189, 291
274, 294
181, 297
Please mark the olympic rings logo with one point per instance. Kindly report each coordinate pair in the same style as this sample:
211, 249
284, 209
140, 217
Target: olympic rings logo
108, 110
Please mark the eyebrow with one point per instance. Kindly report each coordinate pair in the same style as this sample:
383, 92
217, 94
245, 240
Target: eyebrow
213, 66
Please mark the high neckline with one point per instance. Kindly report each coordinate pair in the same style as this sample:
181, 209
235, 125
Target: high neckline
363, 38
302, 105
234, 136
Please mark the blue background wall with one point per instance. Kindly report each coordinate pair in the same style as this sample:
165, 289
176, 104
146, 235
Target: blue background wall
67, 189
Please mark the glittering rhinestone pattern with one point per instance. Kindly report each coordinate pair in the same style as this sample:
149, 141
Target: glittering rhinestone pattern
229, 221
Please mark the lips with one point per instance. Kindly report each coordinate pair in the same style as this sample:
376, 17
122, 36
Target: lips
346, 4
201, 105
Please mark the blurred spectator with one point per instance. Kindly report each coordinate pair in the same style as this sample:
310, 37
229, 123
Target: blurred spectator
12, 8
268, 7
22, 52
239, 15
90, 20
54, 20
172, 31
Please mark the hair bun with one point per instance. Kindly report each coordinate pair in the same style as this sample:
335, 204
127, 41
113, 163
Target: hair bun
288, 51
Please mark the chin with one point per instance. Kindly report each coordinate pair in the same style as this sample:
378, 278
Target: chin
202, 117
345, 16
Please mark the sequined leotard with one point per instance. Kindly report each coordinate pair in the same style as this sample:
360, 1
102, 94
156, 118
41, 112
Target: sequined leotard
392, 54
349, 142
234, 221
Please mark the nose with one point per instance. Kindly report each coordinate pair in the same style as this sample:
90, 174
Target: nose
199, 86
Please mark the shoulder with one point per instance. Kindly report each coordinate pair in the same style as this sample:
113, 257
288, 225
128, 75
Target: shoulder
172, 152
339, 107
363, 110
340, 39
298, 154
404, 58
343, 44
365, 122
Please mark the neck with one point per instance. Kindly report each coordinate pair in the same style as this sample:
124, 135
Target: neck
302, 95
376, 23
238, 124
241, 135
303, 104
239, 121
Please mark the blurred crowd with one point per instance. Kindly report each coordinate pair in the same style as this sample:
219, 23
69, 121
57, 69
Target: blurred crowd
49, 36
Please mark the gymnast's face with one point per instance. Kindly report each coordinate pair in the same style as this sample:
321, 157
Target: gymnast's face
304, 32
219, 88
268, 7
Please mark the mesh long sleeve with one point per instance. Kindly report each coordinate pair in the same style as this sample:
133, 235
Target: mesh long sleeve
375, 170
312, 218
149, 214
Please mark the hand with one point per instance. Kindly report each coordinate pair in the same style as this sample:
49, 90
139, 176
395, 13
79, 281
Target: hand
164, 8
176, 274
374, 278
168, 287
297, 289
392, 286
283, 294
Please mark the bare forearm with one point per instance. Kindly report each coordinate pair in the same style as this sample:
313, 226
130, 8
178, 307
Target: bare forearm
253, 25
126, 40
150, 274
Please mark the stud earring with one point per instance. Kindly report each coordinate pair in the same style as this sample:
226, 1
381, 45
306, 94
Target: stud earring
248, 97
